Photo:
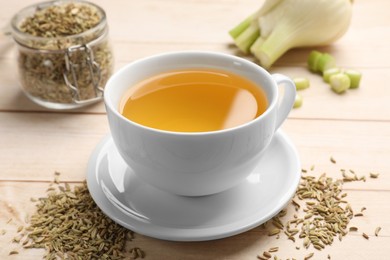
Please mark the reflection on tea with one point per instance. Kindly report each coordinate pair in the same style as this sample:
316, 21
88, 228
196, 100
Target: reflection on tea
193, 100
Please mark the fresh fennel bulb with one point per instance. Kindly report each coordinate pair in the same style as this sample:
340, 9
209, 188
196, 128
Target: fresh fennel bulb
280, 25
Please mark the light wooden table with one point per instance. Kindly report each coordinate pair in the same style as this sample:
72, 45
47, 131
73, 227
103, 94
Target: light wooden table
354, 128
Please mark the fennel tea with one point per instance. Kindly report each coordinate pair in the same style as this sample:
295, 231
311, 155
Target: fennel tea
193, 100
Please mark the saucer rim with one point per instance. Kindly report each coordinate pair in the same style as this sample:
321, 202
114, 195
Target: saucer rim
183, 234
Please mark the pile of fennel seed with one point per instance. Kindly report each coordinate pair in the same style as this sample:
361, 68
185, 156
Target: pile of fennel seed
69, 225
322, 213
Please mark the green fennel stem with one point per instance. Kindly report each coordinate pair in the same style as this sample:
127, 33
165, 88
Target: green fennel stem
286, 24
236, 31
245, 40
257, 44
277, 43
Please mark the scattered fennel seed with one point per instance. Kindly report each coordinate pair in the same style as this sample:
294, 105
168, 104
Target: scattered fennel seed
136, 252
274, 232
69, 225
324, 215
13, 252
20, 228
332, 159
267, 254
374, 175
377, 231
353, 229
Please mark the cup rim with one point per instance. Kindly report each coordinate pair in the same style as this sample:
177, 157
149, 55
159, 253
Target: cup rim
109, 104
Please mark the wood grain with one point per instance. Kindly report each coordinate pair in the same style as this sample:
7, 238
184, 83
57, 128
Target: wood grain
353, 128
244, 246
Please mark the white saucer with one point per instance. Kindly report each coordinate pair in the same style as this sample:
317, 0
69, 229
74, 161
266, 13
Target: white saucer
149, 211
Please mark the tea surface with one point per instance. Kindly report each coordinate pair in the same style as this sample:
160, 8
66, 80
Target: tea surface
193, 100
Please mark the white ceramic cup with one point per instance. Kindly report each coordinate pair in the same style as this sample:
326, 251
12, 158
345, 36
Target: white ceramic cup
198, 163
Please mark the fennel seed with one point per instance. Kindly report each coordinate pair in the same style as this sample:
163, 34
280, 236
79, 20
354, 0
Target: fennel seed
20, 228
16, 239
51, 30
374, 175
267, 254
353, 229
277, 224
274, 232
69, 225
324, 215
136, 252
13, 252
377, 231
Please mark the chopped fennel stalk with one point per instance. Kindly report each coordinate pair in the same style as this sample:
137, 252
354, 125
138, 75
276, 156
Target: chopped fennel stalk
339, 82
329, 72
325, 61
313, 59
354, 77
301, 83
319, 62
298, 101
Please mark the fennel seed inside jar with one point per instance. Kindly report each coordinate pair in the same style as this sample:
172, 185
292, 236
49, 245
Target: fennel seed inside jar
64, 54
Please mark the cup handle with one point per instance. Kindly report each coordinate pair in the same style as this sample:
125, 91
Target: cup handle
286, 101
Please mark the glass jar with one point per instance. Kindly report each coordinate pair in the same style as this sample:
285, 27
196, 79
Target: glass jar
63, 72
